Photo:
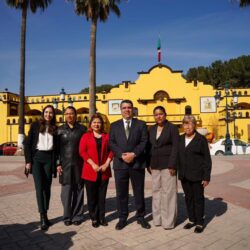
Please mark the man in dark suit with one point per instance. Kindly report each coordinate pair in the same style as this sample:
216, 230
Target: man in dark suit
128, 139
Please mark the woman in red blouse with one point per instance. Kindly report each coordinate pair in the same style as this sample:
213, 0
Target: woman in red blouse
94, 149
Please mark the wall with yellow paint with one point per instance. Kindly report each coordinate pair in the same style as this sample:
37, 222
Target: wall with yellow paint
160, 85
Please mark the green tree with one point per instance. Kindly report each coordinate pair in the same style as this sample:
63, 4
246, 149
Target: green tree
101, 88
24, 6
95, 10
192, 74
236, 71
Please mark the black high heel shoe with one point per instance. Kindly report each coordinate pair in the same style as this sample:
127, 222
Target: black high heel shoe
48, 223
103, 222
43, 223
95, 223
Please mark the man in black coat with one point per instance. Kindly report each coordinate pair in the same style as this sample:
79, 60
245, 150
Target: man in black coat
70, 168
128, 139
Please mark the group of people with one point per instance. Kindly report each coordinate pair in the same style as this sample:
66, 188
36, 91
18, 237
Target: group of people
82, 158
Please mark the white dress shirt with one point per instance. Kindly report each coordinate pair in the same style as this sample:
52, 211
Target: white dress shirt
188, 140
125, 123
45, 141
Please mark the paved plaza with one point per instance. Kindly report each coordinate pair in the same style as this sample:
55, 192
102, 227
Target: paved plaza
227, 215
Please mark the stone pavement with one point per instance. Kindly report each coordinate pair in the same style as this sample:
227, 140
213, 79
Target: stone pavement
227, 215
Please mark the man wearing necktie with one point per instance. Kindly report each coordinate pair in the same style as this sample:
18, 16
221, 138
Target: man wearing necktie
128, 139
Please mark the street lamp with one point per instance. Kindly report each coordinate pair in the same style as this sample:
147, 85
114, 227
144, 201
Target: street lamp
62, 99
70, 101
233, 119
228, 141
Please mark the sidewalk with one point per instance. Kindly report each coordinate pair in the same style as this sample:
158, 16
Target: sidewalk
228, 225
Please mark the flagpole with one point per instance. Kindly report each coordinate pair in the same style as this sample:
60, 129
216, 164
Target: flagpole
159, 50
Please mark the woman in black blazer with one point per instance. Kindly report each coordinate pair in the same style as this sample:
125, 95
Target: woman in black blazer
163, 138
40, 158
194, 170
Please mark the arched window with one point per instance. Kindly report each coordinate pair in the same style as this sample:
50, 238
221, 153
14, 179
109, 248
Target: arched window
8, 121
188, 110
245, 92
30, 120
247, 114
135, 111
85, 120
161, 95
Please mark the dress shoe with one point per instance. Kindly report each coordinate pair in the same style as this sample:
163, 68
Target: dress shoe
67, 223
189, 225
103, 222
95, 223
121, 224
144, 223
77, 223
43, 223
198, 229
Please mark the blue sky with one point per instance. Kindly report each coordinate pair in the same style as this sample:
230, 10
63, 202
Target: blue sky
193, 33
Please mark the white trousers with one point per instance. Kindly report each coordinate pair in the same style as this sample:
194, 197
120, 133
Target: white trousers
164, 202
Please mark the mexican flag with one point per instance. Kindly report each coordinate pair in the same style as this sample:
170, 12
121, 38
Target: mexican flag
159, 49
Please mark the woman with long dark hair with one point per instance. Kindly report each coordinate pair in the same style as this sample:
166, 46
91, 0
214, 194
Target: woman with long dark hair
40, 158
95, 151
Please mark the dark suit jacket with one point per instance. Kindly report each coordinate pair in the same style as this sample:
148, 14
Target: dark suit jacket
136, 143
30, 144
68, 140
194, 161
163, 151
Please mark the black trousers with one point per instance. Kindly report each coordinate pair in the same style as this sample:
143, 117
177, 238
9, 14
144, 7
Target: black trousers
96, 196
72, 200
42, 174
195, 201
137, 177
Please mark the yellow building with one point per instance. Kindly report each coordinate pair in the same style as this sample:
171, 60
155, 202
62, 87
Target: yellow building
160, 85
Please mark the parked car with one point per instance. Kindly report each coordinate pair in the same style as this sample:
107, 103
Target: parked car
239, 147
8, 148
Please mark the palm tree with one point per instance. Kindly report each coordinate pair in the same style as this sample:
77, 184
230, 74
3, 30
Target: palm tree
95, 10
24, 6
244, 3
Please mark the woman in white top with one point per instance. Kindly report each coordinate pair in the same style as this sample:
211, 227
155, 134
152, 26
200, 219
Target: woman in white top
40, 158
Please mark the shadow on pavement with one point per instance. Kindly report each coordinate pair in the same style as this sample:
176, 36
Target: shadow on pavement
214, 208
29, 236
